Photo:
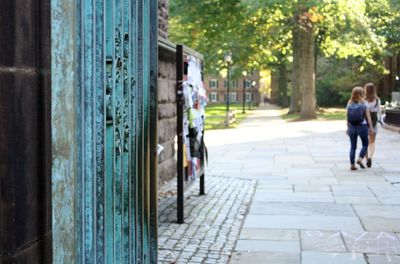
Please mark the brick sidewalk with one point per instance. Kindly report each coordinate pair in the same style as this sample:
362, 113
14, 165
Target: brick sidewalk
212, 222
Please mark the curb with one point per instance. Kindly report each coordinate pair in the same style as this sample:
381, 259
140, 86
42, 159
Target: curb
392, 128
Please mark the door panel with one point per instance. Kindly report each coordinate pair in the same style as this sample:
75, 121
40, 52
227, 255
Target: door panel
114, 149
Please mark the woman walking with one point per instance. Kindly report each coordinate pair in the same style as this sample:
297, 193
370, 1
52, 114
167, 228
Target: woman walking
358, 117
374, 107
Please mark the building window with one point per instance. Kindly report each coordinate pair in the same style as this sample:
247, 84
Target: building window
235, 84
213, 84
233, 97
248, 97
248, 84
213, 97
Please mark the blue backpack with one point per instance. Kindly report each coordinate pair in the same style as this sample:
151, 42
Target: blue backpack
355, 113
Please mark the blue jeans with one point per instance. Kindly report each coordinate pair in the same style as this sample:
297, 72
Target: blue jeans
354, 132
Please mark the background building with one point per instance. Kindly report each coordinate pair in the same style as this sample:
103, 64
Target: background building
217, 86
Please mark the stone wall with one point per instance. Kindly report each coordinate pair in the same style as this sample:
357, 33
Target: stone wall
25, 156
163, 18
166, 101
166, 114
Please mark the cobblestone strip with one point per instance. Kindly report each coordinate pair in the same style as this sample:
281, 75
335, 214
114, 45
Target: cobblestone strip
212, 222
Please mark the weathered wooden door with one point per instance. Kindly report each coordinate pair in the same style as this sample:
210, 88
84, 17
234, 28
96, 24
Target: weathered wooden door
116, 101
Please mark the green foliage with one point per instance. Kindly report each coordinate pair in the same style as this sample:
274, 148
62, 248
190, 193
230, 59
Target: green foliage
355, 35
337, 77
212, 27
385, 21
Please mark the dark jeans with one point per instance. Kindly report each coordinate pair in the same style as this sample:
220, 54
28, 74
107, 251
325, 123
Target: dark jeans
354, 132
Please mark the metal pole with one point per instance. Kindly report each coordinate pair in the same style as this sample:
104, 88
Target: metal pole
244, 95
202, 177
250, 95
227, 96
179, 105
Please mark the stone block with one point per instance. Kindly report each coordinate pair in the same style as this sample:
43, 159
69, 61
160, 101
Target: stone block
322, 241
166, 171
264, 257
269, 234
322, 209
379, 218
167, 70
163, 93
332, 258
168, 151
19, 47
383, 259
166, 130
372, 242
167, 110
268, 246
315, 222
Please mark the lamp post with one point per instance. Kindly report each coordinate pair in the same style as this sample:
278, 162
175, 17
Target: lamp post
228, 60
244, 74
253, 84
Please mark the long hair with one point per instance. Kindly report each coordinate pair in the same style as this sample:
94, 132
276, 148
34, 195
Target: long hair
357, 95
370, 91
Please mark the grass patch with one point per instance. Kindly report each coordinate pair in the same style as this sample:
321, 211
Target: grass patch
323, 114
215, 116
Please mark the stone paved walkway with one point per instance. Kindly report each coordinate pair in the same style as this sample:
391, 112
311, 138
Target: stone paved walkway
212, 222
308, 207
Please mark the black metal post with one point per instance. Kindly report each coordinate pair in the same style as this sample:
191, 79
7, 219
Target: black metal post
244, 95
227, 95
202, 176
250, 98
179, 131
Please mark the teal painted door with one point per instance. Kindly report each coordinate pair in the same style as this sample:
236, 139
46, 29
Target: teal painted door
116, 102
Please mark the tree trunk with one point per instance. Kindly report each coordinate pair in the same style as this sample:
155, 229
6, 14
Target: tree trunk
307, 74
282, 86
274, 87
295, 99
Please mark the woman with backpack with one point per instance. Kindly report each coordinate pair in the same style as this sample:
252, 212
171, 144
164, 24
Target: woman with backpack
358, 117
374, 107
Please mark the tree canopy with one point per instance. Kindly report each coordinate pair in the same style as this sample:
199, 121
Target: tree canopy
261, 34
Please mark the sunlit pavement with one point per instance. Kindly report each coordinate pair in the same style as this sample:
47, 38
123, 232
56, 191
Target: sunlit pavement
308, 207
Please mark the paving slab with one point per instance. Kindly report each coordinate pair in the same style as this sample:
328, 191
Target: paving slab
372, 242
309, 172
268, 246
381, 224
352, 191
383, 259
357, 200
314, 209
311, 197
379, 218
269, 234
309, 257
294, 159
322, 241
303, 222
312, 188
264, 258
